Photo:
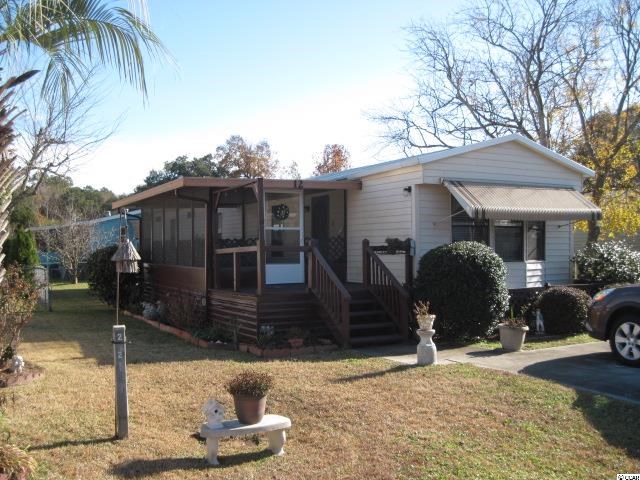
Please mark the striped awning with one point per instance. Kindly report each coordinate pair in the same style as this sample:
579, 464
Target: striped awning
521, 202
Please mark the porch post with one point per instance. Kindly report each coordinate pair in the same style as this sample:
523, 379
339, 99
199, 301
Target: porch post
261, 241
365, 262
215, 200
208, 244
408, 269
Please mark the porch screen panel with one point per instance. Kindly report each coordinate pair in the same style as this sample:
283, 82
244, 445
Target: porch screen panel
147, 224
185, 233
170, 232
199, 224
157, 233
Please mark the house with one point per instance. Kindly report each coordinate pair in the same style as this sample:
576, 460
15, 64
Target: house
104, 232
241, 247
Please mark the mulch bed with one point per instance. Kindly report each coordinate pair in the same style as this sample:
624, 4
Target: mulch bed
29, 373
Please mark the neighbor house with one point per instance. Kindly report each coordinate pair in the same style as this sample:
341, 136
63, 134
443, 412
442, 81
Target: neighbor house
255, 252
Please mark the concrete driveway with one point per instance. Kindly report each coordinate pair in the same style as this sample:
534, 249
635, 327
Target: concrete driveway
589, 366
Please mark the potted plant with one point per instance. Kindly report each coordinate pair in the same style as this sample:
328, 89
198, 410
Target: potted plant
424, 318
512, 333
296, 337
15, 464
249, 390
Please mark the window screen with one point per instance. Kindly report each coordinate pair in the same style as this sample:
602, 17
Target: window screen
147, 228
199, 220
170, 232
463, 227
509, 240
157, 234
535, 241
185, 232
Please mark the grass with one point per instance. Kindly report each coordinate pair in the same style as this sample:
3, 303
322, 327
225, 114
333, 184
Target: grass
534, 343
353, 417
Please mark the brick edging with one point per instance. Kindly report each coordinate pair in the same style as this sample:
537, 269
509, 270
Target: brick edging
182, 334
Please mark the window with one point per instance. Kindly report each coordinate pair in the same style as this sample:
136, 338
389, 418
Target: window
170, 232
463, 227
509, 240
147, 223
535, 241
185, 231
156, 236
199, 221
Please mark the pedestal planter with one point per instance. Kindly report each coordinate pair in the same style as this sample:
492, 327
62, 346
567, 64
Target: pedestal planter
425, 322
512, 337
249, 410
426, 350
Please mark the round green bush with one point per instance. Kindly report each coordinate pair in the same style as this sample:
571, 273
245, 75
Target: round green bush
608, 262
465, 283
101, 274
20, 248
564, 310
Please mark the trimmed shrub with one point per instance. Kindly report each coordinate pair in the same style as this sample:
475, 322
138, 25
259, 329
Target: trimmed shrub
609, 262
465, 283
564, 310
101, 274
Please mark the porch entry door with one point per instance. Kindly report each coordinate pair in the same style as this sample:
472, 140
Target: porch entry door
284, 226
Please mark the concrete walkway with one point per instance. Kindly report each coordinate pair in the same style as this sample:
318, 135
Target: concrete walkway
588, 366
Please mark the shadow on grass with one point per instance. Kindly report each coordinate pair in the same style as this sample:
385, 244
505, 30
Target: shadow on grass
379, 373
615, 420
79, 318
72, 443
148, 468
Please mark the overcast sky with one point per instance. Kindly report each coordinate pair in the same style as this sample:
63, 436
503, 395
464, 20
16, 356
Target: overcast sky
297, 74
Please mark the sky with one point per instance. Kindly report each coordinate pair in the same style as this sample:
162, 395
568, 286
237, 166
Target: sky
297, 74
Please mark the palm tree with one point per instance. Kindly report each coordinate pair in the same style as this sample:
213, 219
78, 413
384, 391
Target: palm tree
71, 38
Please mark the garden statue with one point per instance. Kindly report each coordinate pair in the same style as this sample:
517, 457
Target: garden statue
17, 364
427, 353
214, 413
539, 322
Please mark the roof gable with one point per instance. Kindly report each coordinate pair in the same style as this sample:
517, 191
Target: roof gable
425, 158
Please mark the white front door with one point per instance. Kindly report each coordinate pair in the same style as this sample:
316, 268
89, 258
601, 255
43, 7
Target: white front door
283, 225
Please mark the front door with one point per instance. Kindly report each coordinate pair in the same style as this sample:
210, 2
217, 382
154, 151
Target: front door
283, 225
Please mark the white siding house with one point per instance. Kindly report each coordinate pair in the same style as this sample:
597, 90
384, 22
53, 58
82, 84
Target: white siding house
460, 193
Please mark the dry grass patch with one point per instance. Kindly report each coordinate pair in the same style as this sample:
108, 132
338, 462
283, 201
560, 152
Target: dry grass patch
353, 417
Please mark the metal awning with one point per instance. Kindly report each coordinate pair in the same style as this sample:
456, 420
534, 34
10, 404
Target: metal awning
521, 202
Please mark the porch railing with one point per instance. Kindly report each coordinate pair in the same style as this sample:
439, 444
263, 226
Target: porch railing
384, 286
330, 292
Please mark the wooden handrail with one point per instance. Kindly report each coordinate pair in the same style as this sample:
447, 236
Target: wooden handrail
331, 293
229, 250
386, 288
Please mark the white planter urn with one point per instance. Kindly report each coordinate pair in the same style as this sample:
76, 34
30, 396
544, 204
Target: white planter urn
425, 322
426, 350
512, 338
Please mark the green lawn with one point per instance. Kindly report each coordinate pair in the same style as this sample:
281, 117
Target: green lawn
535, 343
353, 417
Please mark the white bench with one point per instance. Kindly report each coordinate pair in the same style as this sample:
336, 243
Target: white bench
273, 425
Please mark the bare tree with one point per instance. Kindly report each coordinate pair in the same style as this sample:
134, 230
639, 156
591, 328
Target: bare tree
334, 158
54, 137
73, 242
541, 68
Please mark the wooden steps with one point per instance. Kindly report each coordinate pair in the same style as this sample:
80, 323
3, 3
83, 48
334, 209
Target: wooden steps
368, 322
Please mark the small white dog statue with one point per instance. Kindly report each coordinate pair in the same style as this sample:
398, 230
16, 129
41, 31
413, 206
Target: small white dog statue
214, 413
539, 322
17, 364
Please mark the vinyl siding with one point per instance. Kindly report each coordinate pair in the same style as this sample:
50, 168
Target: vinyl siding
380, 210
433, 210
558, 254
509, 162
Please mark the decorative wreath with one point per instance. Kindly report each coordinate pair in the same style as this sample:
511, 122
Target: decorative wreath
280, 212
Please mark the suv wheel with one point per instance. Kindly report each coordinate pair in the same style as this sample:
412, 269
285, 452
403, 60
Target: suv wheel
625, 340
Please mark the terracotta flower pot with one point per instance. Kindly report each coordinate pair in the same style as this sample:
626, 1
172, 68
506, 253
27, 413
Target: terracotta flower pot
249, 410
512, 338
296, 342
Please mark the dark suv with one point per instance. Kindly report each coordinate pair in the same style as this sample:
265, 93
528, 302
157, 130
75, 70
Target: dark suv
614, 315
